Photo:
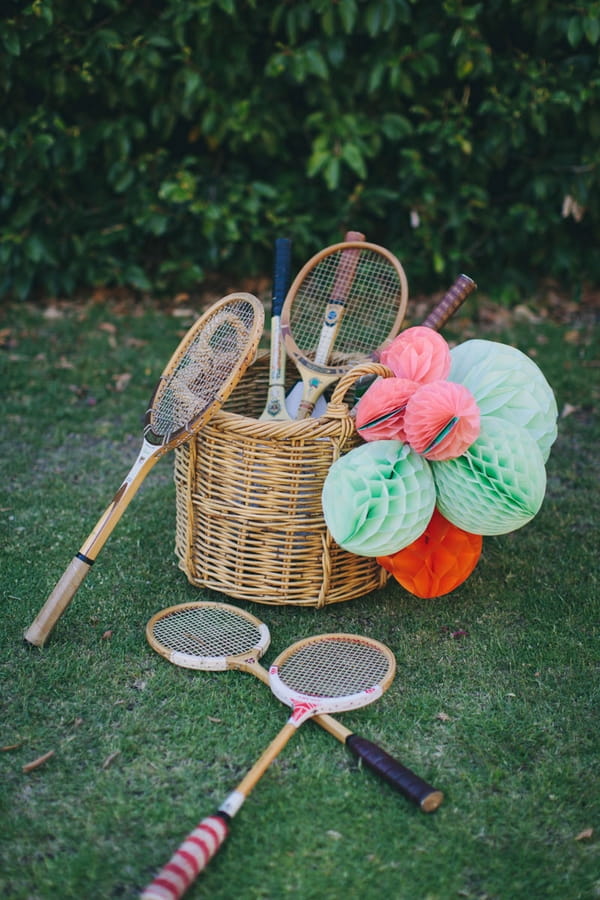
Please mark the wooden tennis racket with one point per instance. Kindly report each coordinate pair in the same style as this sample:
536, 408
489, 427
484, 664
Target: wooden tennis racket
454, 297
450, 302
214, 636
365, 292
323, 674
199, 377
275, 409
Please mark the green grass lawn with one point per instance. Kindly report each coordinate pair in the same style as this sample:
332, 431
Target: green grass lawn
495, 699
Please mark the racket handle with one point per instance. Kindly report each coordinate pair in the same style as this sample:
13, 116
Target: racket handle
189, 860
281, 274
452, 299
58, 601
408, 783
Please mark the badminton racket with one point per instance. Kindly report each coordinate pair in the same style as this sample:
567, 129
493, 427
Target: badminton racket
212, 636
323, 674
275, 408
199, 377
365, 291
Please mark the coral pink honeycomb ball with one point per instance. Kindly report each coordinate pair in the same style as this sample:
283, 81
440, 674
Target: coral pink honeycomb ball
438, 561
419, 354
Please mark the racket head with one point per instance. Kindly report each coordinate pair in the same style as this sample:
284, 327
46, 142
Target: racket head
330, 673
204, 369
374, 306
207, 635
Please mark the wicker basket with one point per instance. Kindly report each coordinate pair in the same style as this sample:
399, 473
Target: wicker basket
249, 521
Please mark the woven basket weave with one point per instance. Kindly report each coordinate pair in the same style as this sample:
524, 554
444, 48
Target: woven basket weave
249, 521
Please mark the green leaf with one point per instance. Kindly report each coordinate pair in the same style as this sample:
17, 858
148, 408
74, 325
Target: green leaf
332, 172
348, 11
354, 158
591, 28
574, 31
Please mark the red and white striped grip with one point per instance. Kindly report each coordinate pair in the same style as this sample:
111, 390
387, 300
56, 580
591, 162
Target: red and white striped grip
189, 860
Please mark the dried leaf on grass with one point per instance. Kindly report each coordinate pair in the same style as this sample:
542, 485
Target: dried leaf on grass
36, 763
585, 835
121, 381
110, 758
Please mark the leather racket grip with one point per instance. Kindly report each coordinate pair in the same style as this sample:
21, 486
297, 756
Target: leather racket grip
189, 860
452, 299
403, 779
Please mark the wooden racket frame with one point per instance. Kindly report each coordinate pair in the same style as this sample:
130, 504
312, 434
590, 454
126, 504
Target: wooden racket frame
275, 409
403, 779
317, 376
150, 452
203, 842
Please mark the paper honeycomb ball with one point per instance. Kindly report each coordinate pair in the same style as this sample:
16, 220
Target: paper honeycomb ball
497, 485
506, 383
441, 420
378, 498
380, 411
419, 354
438, 561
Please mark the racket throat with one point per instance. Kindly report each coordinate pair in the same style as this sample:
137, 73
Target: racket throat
231, 805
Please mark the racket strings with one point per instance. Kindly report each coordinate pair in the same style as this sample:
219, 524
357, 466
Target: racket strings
370, 307
334, 668
206, 632
204, 366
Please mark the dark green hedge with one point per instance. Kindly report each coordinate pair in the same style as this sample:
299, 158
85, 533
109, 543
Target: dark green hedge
148, 144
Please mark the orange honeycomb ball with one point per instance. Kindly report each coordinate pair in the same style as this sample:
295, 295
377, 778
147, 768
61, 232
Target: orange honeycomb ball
438, 561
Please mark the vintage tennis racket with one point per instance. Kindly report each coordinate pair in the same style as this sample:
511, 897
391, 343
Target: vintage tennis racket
330, 322
275, 409
215, 636
450, 302
364, 290
454, 297
200, 375
323, 674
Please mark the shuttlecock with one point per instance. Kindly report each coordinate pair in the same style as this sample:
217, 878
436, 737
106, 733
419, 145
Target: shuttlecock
378, 498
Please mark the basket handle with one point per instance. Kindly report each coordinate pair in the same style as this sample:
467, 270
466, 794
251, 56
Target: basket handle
347, 380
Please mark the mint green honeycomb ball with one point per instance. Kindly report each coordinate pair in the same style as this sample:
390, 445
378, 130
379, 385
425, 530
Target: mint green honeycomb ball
508, 384
497, 485
378, 498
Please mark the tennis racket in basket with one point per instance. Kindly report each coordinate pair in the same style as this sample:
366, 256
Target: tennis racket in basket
329, 326
199, 377
454, 297
275, 409
323, 674
211, 636
365, 292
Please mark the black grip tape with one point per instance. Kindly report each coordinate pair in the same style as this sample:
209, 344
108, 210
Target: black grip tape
404, 780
